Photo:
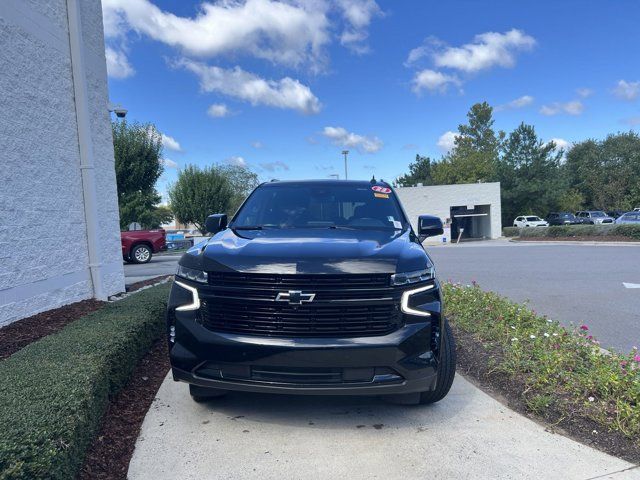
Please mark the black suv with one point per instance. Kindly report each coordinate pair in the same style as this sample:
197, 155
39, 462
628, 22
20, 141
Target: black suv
314, 287
562, 218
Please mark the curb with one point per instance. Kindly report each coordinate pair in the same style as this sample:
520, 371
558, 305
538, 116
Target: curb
578, 242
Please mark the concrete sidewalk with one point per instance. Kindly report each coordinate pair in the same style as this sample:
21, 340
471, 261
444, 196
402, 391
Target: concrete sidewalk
468, 435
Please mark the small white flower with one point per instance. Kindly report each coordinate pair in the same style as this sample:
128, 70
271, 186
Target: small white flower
549, 320
532, 336
546, 334
512, 327
591, 399
555, 334
595, 432
514, 339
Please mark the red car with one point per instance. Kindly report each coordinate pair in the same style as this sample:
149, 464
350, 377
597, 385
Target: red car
138, 246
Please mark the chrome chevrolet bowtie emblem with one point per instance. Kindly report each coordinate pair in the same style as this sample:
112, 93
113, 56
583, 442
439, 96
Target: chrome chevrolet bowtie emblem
295, 297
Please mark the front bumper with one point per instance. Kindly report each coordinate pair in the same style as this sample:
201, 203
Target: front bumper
403, 361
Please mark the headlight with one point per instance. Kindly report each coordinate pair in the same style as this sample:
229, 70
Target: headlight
192, 274
413, 277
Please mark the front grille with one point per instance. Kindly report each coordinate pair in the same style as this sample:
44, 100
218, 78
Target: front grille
344, 305
286, 320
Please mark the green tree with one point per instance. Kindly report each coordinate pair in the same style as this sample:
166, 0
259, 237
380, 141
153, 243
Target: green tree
419, 172
161, 214
138, 150
242, 181
529, 175
474, 156
198, 193
606, 172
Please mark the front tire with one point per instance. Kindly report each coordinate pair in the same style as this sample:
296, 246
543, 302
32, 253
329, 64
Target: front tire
446, 369
141, 254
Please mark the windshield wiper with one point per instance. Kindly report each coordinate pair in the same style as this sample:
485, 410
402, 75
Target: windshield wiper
348, 227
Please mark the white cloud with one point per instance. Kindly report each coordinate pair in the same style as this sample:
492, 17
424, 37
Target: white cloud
170, 143
167, 162
519, 102
434, 81
358, 15
288, 33
562, 144
218, 110
447, 141
571, 108
489, 49
118, 65
274, 166
341, 137
236, 161
627, 90
238, 83
257, 144
584, 92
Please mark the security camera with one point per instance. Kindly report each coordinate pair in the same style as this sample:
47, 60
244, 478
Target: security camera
118, 110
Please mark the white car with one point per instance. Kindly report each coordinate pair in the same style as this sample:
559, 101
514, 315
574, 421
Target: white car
530, 221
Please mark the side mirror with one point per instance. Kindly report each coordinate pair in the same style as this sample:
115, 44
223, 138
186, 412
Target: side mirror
215, 223
429, 226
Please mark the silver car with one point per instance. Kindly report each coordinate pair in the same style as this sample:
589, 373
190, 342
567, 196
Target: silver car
630, 218
594, 217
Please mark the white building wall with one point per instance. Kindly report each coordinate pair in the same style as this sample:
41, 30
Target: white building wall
438, 199
43, 237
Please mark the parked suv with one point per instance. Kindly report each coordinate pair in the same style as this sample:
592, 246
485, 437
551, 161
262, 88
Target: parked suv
561, 218
314, 287
529, 221
593, 217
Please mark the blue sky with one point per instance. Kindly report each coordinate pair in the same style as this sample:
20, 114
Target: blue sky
284, 86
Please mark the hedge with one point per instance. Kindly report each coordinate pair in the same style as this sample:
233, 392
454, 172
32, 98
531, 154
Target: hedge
54, 392
632, 232
563, 369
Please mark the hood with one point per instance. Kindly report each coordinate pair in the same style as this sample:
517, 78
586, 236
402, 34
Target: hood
309, 251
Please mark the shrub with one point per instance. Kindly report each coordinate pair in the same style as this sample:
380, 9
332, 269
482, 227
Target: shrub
559, 365
510, 231
53, 392
632, 232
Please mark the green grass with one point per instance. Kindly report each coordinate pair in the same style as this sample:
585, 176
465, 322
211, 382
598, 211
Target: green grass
632, 232
561, 367
54, 392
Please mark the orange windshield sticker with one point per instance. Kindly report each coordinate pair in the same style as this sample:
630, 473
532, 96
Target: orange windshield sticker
380, 195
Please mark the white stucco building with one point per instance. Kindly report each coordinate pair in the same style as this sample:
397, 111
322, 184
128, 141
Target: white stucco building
474, 208
59, 228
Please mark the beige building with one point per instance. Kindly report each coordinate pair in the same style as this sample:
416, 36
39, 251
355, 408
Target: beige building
469, 211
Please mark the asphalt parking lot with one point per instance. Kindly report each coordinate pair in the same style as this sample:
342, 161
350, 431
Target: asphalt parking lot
568, 282
159, 265
575, 283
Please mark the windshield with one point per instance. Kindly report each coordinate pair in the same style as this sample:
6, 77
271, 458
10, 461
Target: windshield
320, 206
533, 219
598, 214
566, 215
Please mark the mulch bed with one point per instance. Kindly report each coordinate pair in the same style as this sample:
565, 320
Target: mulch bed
610, 238
109, 456
18, 335
475, 362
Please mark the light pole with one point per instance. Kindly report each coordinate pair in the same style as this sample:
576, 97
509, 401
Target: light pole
345, 153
